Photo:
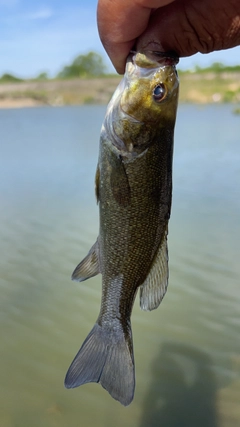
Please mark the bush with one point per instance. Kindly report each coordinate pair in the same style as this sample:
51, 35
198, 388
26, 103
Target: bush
90, 64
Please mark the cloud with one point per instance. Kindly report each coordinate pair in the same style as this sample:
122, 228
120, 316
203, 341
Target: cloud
44, 13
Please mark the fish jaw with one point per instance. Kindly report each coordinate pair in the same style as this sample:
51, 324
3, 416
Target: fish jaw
117, 123
134, 119
143, 75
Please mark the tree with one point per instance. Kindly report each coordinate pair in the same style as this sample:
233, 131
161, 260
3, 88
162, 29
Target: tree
90, 64
9, 78
42, 76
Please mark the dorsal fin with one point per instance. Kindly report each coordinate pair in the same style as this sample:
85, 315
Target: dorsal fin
89, 266
154, 288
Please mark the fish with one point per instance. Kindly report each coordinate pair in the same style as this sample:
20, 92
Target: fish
134, 192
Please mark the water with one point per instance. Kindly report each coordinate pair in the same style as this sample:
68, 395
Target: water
187, 352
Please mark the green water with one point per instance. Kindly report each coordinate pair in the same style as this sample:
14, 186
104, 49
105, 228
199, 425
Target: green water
187, 353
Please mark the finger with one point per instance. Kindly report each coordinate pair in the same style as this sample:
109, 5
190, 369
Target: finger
120, 22
191, 26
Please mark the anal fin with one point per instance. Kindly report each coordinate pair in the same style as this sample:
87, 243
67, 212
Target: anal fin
89, 266
154, 288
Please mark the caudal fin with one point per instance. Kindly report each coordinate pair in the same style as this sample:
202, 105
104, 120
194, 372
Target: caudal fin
105, 358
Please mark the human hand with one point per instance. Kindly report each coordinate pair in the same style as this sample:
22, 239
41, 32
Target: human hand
183, 26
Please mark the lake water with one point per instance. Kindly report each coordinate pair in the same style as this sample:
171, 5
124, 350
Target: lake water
187, 352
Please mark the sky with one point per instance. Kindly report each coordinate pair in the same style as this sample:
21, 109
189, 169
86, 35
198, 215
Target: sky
45, 35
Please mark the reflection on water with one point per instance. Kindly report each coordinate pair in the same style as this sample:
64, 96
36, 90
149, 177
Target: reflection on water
187, 352
183, 389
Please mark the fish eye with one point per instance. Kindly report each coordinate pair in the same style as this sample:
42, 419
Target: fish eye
159, 92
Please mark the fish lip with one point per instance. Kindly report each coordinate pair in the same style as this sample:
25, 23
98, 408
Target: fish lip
162, 58
169, 58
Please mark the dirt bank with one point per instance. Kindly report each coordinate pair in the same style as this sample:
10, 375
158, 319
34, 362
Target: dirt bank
57, 92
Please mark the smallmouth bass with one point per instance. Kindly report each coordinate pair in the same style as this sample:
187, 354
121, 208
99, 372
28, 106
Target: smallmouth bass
134, 191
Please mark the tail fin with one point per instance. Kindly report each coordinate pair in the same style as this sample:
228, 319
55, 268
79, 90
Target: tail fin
106, 359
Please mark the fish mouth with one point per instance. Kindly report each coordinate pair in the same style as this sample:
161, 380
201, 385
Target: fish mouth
156, 58
165, 58
143, 64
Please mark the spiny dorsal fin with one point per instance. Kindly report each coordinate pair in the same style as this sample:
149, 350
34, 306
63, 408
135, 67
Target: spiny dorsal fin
154, 288
89, 266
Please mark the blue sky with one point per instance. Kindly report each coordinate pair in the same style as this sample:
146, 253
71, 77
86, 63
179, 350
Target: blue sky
45, 35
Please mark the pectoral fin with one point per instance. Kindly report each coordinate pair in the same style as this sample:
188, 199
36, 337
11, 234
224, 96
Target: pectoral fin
89, 266
154, 288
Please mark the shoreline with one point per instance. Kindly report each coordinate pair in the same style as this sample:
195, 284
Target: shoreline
196, 88
10, 103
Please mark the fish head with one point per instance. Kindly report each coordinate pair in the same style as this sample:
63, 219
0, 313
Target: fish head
144, 103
